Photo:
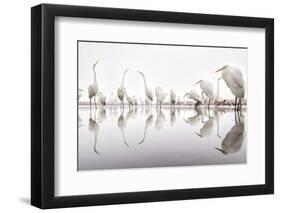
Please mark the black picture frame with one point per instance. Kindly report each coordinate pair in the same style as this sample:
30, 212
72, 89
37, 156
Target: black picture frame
43, 102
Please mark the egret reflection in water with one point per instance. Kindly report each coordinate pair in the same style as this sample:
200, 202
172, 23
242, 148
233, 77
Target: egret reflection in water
193, 120
207, 128
121, 124
233, 140
94, 129
160, 119
148, 123
150, 141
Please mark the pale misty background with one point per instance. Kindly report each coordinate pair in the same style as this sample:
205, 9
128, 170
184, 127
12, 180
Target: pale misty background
170, 67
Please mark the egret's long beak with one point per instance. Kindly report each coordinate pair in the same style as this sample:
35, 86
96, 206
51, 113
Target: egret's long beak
140, 72
219, 69
222, 151
197, 82
198, 134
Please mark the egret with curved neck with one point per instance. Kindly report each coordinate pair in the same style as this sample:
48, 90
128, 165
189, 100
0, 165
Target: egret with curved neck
207, 89
148, 91
93, 89
234, 80
120, 91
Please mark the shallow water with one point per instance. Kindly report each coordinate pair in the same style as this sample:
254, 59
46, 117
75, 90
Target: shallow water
113, 138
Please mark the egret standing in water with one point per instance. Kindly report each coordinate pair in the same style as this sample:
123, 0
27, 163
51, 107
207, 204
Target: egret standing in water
148, 91
120, 91
93, 89
173, 97
160, 96
102, 99
130, 99
207, 89
135, 100
195, 96
233, 78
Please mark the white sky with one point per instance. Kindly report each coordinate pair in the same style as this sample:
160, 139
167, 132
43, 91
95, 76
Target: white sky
170, 67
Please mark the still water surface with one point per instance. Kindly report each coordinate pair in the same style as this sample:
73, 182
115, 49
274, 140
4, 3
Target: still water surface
113, 138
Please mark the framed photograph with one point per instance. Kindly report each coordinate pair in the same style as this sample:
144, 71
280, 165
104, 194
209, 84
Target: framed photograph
139, 106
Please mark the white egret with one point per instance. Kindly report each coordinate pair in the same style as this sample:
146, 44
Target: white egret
207, 89
128, 98
102, 99
173, 97
160, 96
93, 89
120, 91
233, 78
192, 94
135, 100
148, 91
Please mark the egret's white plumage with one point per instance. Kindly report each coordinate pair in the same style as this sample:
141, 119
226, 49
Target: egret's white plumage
102, 99
120, 91
207, 89
160, 95
148, 91
135, 100
129, 99
193, 94
93, 89
173, 97
234, 80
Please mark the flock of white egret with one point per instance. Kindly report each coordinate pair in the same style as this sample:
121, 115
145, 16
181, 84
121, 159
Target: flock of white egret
231, 75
